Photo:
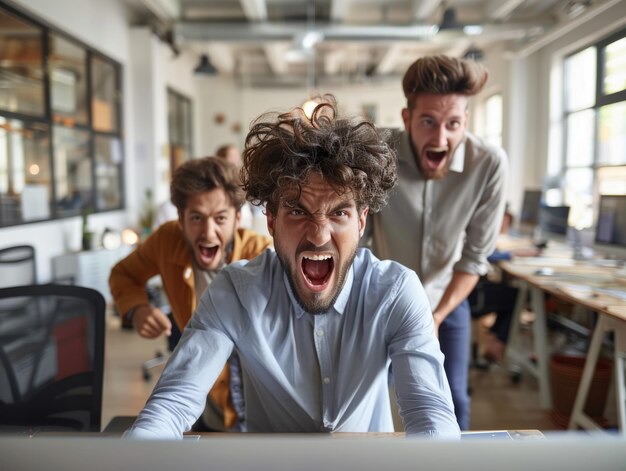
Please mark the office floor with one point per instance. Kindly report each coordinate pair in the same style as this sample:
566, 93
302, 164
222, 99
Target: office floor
497, 402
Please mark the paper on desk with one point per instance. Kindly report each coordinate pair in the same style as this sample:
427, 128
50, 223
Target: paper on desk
545, 261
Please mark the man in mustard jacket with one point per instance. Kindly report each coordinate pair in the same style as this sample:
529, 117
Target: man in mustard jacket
187, 254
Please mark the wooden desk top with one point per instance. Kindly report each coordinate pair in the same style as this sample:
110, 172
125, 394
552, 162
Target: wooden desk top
576, 282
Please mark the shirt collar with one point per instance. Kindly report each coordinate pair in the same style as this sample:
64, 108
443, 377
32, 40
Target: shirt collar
340, 303
458, 159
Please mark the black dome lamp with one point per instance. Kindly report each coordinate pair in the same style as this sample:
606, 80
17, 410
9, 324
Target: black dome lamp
205, 67
449, 21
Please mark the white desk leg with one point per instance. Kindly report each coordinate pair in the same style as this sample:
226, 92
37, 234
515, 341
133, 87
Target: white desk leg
514, 329
540, 337
578, 416
619, 361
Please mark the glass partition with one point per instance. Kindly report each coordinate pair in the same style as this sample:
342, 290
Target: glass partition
61, 145
68, 82
73, 172
104, 98
25, 177
21, 65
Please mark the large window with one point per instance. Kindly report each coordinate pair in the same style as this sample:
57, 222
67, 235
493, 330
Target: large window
594, 120
179, 120
60, 130
493, 119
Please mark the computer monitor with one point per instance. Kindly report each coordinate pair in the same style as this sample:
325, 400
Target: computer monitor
553, 220
529, 215
611, 223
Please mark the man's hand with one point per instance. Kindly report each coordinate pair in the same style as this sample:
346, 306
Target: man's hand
150, 322
438, 318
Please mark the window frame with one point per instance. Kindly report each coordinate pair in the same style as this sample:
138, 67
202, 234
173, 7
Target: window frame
180, 98
601, 100
48, 118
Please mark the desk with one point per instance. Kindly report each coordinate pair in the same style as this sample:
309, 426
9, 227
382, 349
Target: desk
583, 285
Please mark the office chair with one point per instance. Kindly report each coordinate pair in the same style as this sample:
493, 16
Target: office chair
17, 266
51, 358
491, 297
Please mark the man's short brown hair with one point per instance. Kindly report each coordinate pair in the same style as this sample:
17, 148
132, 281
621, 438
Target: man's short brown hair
200, 175
443, 75
284, 150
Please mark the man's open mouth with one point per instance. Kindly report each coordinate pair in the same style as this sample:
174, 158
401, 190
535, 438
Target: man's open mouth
317, 270
208, 252
434, 157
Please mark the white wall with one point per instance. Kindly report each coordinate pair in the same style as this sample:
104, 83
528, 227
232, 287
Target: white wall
149, 120
219, 95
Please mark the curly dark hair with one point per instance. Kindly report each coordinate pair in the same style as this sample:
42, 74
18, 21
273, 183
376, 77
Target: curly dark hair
443, 75
205, 174
283, 151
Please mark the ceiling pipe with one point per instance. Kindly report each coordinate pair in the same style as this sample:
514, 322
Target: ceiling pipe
265, 31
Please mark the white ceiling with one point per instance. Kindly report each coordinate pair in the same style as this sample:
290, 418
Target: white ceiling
352, 41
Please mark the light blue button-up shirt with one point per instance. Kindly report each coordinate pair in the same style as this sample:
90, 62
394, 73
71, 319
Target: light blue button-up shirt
309, 373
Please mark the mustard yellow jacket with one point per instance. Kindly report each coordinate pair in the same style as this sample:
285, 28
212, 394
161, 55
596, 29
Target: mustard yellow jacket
166, 253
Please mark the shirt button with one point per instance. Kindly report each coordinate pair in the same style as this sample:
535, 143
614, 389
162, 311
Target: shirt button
326, 380
320, 332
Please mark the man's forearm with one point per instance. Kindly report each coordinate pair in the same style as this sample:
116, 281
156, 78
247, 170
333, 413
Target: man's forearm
459, 288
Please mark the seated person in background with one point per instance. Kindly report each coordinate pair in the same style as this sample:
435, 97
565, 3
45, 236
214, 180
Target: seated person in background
230, 154
187, 253
317, 323
252, 216
499, 298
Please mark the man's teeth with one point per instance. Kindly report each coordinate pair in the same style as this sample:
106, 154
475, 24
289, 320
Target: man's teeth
437, 149
317, 257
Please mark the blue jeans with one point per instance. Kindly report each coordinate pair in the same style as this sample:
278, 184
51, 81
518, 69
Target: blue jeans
454, 338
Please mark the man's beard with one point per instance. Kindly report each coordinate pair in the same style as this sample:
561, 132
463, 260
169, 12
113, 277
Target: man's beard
427, 173
316, 305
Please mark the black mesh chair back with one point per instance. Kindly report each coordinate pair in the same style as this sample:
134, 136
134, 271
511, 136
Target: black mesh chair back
51, 358
17, 266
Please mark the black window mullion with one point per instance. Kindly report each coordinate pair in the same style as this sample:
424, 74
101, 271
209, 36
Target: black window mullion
616, 97
92, 156
48, 115
120, 126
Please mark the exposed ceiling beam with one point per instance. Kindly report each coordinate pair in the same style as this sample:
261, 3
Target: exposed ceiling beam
338, 10
276, 53
565, 28
422, 10
222, 58
164, 10
457, 48
388, 62
255, 10
501, 9
333, 61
